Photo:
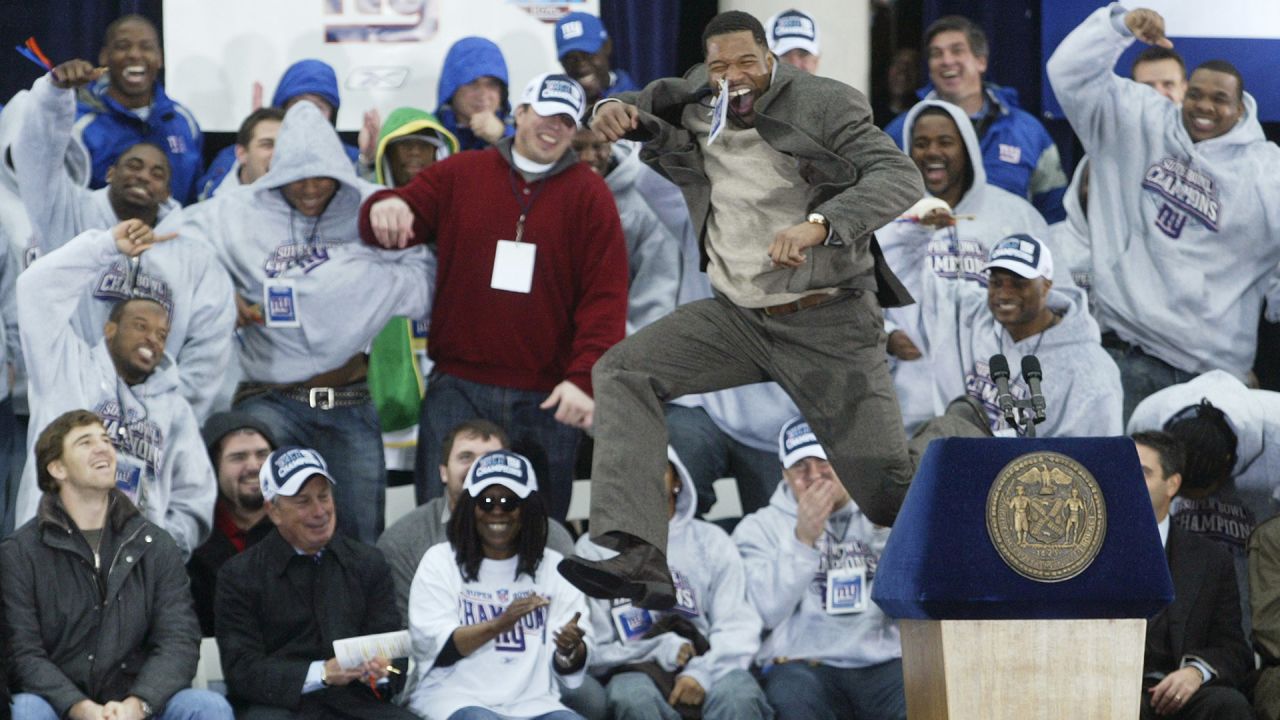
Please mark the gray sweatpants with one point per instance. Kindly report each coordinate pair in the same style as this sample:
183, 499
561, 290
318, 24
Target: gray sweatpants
830, 359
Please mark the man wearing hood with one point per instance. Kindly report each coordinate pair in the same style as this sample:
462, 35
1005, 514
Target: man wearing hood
1020, 313
127, 105
951, 245
410, 141
183, 275
312, 80
532, 285
653, 253
700, 653
1232, 436
238, 446
314, 297
1196, 232
584, 47
1017, 151
811, 559
473, 94
125, 378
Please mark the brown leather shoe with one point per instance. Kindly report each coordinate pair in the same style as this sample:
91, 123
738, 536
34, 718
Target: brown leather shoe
638, 573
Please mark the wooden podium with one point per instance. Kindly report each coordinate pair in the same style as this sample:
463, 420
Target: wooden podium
984, 640
1022, 669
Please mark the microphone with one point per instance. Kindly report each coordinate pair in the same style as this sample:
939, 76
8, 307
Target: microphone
1032, 374
999, 366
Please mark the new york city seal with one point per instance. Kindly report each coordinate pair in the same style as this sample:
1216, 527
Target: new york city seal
1046, 516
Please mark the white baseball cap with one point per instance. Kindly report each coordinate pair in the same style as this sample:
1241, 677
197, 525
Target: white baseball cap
797, 441
552, 94
1023, 255
791, 30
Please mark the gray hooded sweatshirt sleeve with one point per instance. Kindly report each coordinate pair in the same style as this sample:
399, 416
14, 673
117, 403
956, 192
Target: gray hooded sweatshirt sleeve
160, 437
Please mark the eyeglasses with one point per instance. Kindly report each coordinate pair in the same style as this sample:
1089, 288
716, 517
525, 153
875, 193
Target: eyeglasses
490, 503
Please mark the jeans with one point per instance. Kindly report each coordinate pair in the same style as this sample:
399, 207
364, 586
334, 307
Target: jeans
736, 696
1141, 374
588, 699
350, 441
708, 453
551, 446
800, 691
187, 704
479, 713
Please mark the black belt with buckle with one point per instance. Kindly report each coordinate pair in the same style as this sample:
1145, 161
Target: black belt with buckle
320, 398
805, 302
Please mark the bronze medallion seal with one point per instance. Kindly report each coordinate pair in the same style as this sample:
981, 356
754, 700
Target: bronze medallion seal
1046, 516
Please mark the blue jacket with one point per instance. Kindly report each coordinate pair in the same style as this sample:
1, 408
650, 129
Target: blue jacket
1017, 152
305, 76
470, 59
622, 82
106, 128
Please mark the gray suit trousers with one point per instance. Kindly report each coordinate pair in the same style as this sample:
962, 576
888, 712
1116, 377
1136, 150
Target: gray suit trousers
830, 359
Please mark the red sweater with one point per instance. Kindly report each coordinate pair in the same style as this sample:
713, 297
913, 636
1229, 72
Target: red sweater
577, 308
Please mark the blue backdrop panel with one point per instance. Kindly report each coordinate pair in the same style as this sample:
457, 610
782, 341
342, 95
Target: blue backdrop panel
1255, 58
940, 564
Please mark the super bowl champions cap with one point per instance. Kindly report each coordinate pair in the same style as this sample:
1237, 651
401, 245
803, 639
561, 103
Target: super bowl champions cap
1023, 255
501, 467
288, 469
797, 441
552, 94
790, 30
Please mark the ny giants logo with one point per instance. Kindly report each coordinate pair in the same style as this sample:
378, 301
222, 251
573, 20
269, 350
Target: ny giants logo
1186, 193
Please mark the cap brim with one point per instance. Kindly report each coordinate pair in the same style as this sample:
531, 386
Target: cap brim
551, 109
521, 491
1020, 269
295, 483
807, 451
782, 46
582, 44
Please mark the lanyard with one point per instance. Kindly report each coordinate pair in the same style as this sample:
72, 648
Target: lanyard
525, 205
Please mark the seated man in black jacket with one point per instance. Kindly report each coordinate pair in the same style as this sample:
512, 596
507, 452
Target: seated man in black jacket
280, 605
1196, 653
98, 616
238, 446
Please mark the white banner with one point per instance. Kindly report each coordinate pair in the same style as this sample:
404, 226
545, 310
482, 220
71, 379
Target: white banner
1243, 19
387, 53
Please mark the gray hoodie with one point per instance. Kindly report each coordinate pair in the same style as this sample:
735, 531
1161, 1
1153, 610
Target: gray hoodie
1182, 233
986, 214
710, 593
1081, 386
181, 274
653, 253
161, 461
342, 291
787, 584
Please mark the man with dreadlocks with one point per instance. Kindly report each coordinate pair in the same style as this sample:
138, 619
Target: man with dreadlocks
490, 604
1231, 434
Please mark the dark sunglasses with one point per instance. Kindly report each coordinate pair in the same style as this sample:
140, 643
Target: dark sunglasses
489, 503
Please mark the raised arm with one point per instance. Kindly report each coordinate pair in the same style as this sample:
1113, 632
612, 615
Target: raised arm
53, 202
1094, 98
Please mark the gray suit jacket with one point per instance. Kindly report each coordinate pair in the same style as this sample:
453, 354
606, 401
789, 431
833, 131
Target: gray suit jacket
857, 177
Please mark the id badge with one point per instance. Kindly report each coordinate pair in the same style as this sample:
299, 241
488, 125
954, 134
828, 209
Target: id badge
847, 590
719, 111
129, 481
280, 303
631, 622
513, 266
